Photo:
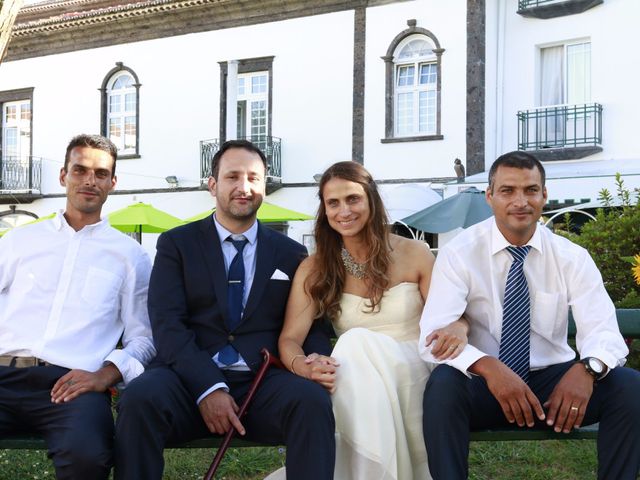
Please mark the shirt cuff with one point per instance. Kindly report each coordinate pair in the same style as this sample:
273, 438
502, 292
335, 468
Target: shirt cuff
462, 362
217, 386
467, 357
129, 367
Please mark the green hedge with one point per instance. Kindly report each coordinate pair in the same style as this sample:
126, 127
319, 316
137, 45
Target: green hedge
612, 240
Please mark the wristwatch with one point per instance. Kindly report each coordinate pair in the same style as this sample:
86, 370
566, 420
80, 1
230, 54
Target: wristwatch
595, 367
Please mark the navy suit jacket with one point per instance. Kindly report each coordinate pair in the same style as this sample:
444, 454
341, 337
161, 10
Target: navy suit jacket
188, 302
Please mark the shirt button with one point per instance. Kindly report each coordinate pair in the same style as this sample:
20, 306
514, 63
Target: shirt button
231, 338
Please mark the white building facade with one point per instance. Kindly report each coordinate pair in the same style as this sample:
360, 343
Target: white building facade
404, 87
562, 87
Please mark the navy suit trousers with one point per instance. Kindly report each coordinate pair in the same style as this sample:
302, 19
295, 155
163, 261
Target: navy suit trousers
453, 405
79, 433
286, 409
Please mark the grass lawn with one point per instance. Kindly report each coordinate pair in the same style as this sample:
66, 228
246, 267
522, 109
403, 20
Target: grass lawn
557, 460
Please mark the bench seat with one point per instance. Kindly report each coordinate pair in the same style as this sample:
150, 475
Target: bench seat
628, 320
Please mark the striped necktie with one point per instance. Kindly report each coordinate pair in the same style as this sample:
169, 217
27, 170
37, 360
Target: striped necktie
516, 315
235, 293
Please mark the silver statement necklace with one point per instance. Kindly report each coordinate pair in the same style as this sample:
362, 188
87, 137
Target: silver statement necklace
356, 269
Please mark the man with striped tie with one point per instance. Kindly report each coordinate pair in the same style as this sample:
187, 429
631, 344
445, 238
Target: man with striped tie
514, 281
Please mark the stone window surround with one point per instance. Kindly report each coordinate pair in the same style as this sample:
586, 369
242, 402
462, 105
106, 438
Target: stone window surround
389, 97
104, 108
246, 65
14, 96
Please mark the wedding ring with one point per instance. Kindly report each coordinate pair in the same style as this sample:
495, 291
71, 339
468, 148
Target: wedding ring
574, 409
70, 382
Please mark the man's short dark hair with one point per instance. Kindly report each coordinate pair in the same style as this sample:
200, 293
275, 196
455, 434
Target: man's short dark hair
246, 144
516, 159
92, 141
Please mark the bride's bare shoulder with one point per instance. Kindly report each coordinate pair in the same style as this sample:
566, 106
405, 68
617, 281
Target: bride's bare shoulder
409, 248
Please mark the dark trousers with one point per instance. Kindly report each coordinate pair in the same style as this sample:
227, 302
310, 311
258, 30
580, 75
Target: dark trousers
156, 410
453, 405
79, 434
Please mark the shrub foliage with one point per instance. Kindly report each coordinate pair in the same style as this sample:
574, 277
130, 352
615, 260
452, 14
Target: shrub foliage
612, 239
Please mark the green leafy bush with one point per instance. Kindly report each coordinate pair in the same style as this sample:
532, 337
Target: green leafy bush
611, 240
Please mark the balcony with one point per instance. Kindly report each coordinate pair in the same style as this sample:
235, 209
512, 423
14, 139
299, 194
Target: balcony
561, 132
20, 179
554, 8
271, 146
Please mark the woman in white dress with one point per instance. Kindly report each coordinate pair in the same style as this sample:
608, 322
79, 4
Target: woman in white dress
372, 286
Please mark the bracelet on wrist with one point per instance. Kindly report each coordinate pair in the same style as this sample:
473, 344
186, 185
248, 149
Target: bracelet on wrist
293, 360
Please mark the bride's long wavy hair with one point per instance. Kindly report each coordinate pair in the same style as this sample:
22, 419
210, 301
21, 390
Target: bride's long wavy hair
326, 283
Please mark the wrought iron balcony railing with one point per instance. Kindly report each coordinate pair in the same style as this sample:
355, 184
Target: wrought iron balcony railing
523, 4
554, 8
560, 126
271, 146
20, 174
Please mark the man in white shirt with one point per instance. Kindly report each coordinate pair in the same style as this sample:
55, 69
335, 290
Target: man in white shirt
514, 281
71, 287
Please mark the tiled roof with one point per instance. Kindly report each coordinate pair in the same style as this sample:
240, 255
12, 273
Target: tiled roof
54, 27
57, 15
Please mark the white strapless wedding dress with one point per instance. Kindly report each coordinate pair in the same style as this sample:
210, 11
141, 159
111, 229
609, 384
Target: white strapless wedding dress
379, 388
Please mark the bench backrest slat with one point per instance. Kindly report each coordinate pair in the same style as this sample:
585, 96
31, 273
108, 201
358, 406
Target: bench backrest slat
628, 321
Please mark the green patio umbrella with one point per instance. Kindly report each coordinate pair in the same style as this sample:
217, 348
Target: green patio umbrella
142, 218
268, 212
46, 217
463, 209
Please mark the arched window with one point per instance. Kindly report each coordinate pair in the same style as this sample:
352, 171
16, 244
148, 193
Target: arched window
415, 88
413, 80
120, 110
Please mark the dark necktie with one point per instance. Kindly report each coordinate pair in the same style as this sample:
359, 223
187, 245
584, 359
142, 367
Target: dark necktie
235, 293
516, 316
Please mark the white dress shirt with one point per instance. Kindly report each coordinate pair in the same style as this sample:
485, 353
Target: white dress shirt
469, 278
67, 297
249, 256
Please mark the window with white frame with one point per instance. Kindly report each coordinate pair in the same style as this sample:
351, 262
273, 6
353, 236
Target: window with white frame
253, 107
565, 74
120, 110
565, 87
122, 121
415, 87
16, 131
252, 114
16, 126
413, 82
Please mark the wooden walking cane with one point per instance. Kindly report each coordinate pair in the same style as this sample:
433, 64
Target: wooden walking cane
268, 361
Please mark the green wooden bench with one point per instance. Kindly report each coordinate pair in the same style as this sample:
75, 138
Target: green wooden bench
628, 320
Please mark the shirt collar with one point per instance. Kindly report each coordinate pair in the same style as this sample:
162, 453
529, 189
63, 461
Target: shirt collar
251, 234
59, 222
499, 243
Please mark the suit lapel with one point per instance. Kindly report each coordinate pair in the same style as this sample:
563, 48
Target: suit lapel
212, 254
265, 254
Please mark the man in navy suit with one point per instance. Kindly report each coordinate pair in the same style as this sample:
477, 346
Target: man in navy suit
207, 357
